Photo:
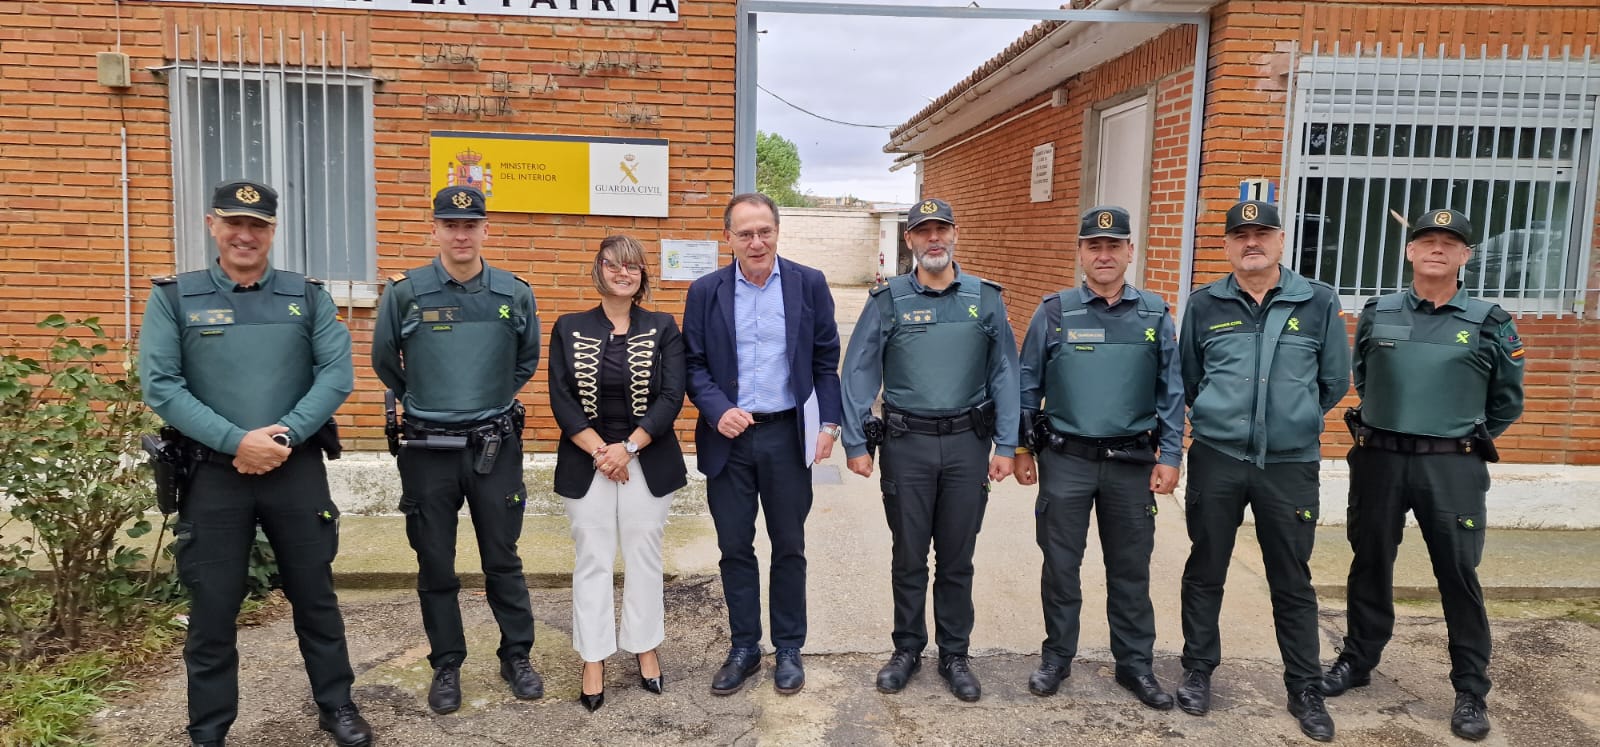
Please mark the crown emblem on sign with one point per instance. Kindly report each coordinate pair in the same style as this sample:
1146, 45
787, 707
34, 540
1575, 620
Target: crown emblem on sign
1249, 212
468, 157
462, 200
1441, 218
928, 208
247, 195
1104, 220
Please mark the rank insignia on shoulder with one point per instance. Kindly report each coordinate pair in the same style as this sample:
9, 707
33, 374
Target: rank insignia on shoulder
523, 280
314, 281
164, 280
397, 277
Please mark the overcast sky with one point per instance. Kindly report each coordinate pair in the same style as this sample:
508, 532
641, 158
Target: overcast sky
867, 70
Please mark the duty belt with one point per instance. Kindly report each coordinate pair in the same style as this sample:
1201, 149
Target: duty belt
1407, 444
1099, 449
900, 422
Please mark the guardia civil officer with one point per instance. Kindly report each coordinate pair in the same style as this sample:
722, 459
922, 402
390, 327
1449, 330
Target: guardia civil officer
1103, 358
1265, 356
249, 363
455, 340
938, 345
1440, 377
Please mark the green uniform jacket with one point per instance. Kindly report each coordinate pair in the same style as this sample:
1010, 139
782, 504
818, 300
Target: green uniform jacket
166, 390
397, 310
1259, 380
1497, 350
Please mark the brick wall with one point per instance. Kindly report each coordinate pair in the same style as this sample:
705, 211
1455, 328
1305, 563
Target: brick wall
1251, 47
843, 244
60, 211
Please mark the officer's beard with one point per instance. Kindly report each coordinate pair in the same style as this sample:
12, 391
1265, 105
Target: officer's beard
935, 263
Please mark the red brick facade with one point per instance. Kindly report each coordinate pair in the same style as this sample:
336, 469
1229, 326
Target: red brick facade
60, 197
1243, 136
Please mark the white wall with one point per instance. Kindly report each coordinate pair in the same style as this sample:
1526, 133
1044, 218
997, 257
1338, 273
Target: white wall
842, 243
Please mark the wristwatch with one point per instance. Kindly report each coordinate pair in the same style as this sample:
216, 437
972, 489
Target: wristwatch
629, 446
832, 429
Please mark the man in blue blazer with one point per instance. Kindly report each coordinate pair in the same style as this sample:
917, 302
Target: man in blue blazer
761, 341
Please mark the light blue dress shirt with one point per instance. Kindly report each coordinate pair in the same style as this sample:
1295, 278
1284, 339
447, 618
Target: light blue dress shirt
760, 337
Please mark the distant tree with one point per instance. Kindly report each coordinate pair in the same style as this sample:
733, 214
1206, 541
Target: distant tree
778, 169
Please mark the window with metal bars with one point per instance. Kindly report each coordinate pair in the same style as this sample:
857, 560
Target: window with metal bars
304, 131
1376, 141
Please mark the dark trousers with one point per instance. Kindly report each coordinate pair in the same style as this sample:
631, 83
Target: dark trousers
1125, 512
1447, 493
215, 532
934, 490
434, 484
765, 468
1284, 499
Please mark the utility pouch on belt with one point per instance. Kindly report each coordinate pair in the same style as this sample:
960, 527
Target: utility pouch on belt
391, 423
983, 418
1484, 444
170, 467
488, 452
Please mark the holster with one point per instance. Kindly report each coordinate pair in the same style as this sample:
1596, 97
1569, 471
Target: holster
327, 439
1484, 443
391, 423
873, 428
170, 466
1359, 432
983, 419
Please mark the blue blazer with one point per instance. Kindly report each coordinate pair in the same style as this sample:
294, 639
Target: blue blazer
713, 358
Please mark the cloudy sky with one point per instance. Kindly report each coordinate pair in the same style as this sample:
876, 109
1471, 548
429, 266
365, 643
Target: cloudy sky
866, 70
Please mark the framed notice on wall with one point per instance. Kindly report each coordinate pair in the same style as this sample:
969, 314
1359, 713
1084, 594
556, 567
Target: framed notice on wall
554, 173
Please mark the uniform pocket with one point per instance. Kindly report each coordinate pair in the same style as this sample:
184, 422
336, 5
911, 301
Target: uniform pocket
183, 552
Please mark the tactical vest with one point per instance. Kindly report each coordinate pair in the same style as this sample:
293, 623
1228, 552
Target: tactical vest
936, 357
1422, 382
247, 356
1101, 381
460, 348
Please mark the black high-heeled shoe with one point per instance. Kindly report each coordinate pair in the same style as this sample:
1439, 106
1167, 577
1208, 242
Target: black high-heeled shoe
651, 684
594, 701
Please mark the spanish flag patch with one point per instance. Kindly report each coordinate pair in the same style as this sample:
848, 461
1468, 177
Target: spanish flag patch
1518, 353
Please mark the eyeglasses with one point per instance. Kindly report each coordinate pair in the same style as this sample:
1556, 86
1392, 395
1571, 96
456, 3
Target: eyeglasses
632, 268
746, 237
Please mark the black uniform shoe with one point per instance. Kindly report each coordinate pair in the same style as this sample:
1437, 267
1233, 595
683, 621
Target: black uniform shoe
740, 664
218, 743
1194, 692
1470, 719
1046, 680
789, 676
956, 669
1342, 675
896, 673
444, 695
347, 726
1314, 719
1147, 689
526, 684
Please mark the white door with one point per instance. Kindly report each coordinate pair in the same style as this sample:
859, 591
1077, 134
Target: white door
1124, 171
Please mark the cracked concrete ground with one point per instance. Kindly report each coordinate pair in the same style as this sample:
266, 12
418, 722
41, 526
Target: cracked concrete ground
1546, 692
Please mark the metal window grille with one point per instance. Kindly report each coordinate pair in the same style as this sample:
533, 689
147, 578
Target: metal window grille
1508, 141
306, 129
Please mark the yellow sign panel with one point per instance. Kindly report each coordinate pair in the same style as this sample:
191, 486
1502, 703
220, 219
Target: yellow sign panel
554, 174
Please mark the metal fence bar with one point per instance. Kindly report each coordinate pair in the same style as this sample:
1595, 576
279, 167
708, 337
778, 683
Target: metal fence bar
1477, 135
344, 170
1533, 185
327, 190
1372, 132
1591, 193
305, 151
1550, 201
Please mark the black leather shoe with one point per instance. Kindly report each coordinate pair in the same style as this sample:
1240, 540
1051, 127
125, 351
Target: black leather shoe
1194, 692
1046, 680
896, 673
346, 726
1315, 722
1147, 689
1342, 675
651, 684
956, 669
218, 743
740, 664
789, 676
444, 695
1470, 719
593, 701
526, 684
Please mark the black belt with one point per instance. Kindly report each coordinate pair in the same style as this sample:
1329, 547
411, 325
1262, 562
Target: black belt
762, 418
907, 423
1099, 449
1403, 443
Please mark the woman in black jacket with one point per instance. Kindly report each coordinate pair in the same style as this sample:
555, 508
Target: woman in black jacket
616, 386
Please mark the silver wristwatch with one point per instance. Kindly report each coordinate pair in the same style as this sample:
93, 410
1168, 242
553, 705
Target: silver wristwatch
832, 429
630, 447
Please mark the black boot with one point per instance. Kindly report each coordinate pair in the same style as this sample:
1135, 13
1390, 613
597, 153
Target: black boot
896, 673
526, 684
1470, 719
346, 726
1307, 706
1343, 675
1046, 680
444, 695
956, 669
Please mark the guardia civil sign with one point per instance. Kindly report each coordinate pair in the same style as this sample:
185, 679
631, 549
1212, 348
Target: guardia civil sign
631, 10
563, 174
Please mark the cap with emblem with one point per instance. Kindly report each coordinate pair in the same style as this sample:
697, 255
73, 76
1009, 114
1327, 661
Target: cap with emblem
1253, 213
459, 202
1105, 220
247, 198
929, 209
1443, 219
